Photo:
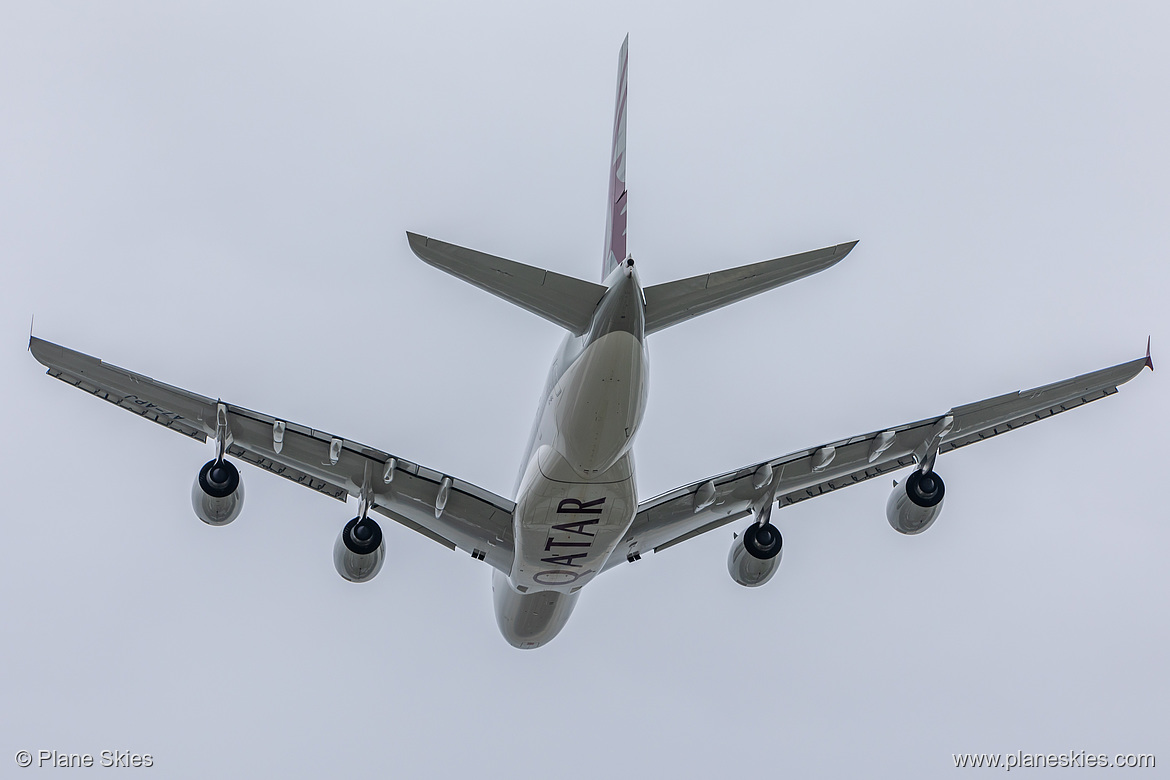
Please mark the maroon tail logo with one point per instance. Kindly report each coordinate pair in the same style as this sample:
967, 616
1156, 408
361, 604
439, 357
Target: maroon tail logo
615, 217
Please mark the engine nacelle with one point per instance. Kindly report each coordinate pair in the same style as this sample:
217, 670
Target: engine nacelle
359, 550
218, 493
755, 555
915, 504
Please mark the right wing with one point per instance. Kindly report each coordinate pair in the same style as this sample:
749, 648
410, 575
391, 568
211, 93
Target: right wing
694, 509
473, 519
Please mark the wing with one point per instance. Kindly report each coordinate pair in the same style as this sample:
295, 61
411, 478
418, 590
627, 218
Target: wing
473, 520
688, 511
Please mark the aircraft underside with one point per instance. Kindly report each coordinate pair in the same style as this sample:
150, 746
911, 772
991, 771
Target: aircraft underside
577, 497
576, 511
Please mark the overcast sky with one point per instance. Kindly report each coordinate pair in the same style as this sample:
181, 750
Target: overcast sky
217, 194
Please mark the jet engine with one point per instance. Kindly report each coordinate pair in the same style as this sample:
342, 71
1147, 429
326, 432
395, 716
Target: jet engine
360, 550
915, 504
218, 492
755, 555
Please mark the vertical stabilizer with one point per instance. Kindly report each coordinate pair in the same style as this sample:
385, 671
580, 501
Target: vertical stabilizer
615, 216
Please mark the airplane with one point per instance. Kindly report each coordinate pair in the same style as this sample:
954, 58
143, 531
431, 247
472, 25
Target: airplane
575, 511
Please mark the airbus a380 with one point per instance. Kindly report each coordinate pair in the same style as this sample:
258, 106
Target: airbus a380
576, 512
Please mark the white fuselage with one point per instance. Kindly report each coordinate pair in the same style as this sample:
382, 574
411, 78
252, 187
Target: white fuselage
576, 497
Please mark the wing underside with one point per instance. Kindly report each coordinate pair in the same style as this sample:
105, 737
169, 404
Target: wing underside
702, 506
480, 523
473, 520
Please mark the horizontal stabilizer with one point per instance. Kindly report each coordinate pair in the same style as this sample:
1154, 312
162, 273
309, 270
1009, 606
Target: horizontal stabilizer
674, 302
567, 301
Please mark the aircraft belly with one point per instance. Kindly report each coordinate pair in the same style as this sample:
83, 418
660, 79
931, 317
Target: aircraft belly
599, 403
529, 620
566, 530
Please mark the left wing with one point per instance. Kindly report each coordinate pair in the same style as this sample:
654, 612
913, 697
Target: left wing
472, 519
688, 511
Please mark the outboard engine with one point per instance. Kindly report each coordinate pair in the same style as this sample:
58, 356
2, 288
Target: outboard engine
915, 504
755, 555
360, 550
218, 492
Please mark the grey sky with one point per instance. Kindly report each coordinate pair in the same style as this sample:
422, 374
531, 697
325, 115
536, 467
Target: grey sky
216, 195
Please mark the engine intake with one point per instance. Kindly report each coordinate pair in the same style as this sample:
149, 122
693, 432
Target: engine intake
218, 493
755, 555
360, 550
915, 504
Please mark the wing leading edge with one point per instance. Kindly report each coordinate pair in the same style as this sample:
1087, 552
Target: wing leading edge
694, 509
473, 519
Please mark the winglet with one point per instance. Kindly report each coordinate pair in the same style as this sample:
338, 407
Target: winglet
1149, 360
31, 322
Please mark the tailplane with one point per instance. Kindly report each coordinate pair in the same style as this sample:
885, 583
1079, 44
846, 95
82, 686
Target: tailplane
674, 302
571, 302
558, 298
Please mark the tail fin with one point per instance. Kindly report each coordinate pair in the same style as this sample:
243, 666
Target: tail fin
615, 215
674, 302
